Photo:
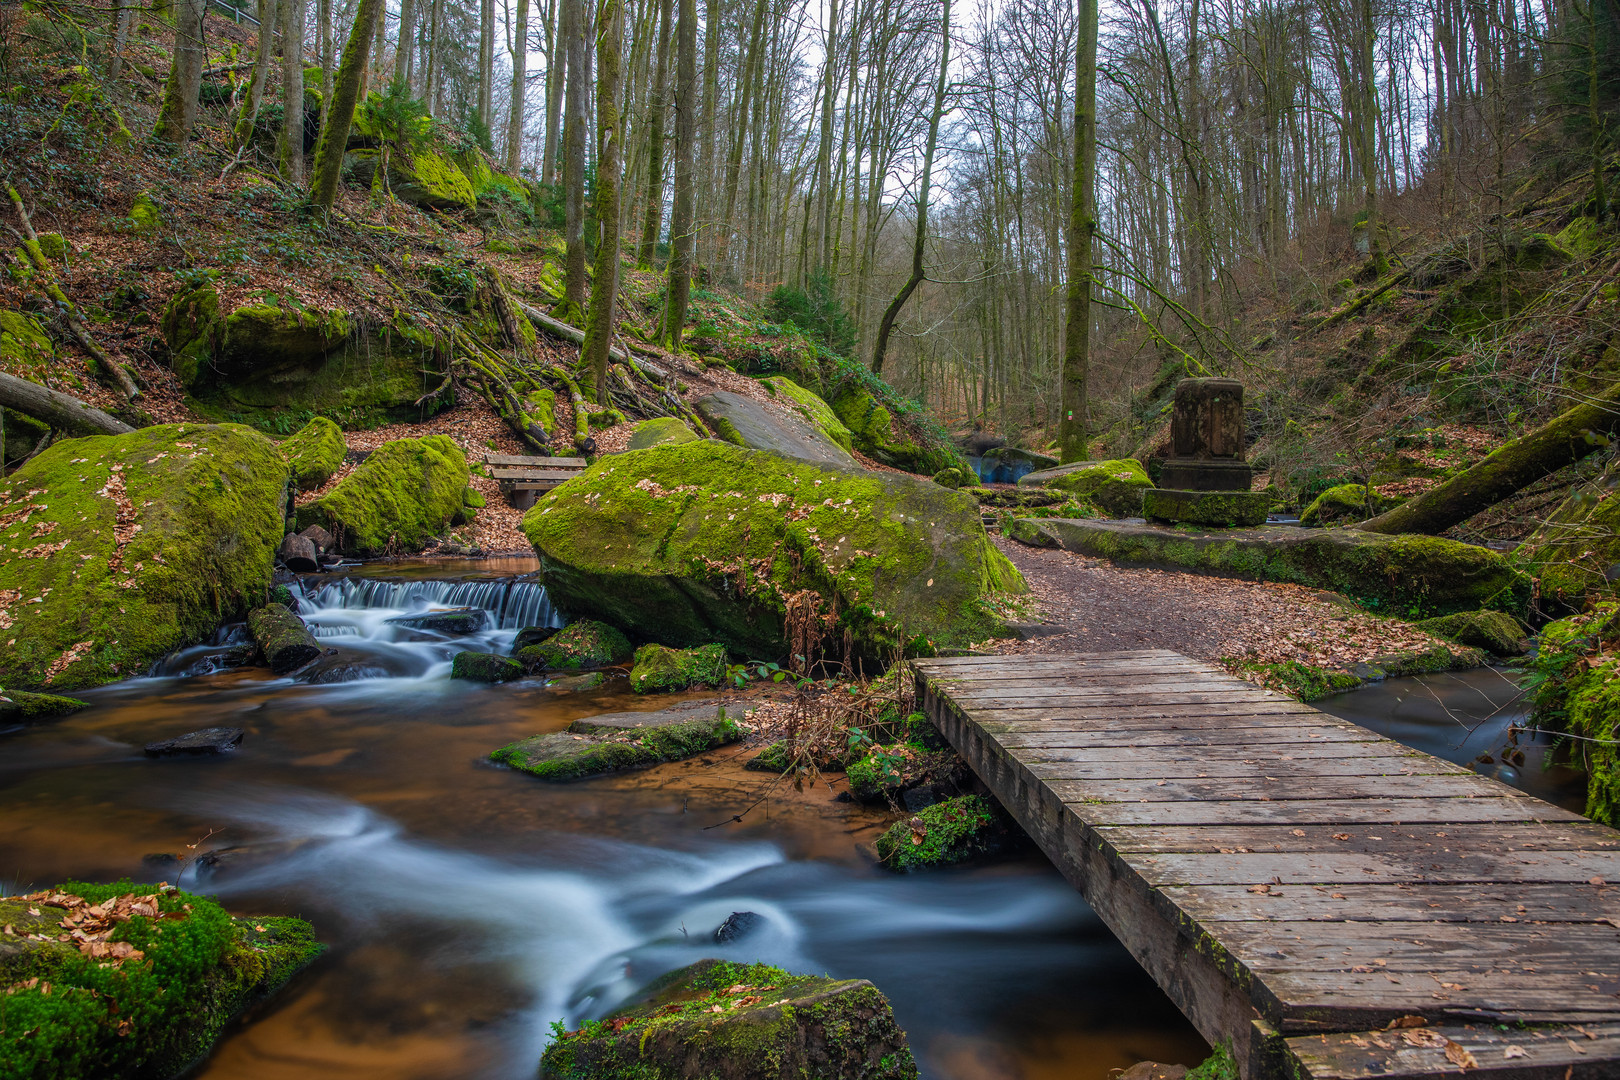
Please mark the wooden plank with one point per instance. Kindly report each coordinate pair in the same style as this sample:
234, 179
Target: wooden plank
1234, 739
1497, 953
1148, 766
1425, 903
1540, 836
1553, 1053
535, 460
1297, 812
1339, 867
1273, 753
1142, 711
558, 475
1281, 787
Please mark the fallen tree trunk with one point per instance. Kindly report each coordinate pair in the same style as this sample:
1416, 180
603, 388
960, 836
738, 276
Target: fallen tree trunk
1561, 441
61, 411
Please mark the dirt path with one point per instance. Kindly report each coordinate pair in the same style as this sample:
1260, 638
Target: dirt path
1103, 607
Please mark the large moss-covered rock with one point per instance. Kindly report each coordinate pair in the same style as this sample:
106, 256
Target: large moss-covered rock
1114, 486
953, 831
1493, 631
403, 495
707, 542
658, 668
745, 422
1574, 686
1403, 575
658, 431
1345, 503
314, 453
619, 741
22, 707
151, 983
810, 407
425, 178
722, 1021
1576, 552
880, 435
25, 349
117, 549
485, 667
1221, 509
583, 645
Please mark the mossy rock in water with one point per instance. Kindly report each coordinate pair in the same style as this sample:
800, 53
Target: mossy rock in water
811, 408
953, 831
1406, 575
133, 545
485, 667
1115, 486
1222, 509
21, 707
619, 741
1493, 631
26, 350
773, 759
721, 1021
580, 646
315, 452
1576, 552
658, 431
885, 774
403, 495
704, 542
658, 668
1344, 503
178, 967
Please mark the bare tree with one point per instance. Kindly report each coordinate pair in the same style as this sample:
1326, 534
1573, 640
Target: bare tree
593, 354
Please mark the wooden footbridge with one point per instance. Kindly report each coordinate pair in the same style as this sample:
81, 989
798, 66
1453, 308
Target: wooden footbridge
1334, 904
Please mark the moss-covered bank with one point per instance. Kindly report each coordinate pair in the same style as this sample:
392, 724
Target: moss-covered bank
315, 453
404, 494
658, 668
722, 1021
1574, 685
148, 993
618, 741
1115, 487
953, 831
1576, 552
117, 549
708, 542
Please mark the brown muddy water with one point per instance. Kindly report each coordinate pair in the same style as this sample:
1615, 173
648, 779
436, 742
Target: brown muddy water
468, 907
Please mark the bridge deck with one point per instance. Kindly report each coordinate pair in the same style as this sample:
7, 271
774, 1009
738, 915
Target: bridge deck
1297, 883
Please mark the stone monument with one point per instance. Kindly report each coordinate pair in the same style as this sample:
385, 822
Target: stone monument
1205, 481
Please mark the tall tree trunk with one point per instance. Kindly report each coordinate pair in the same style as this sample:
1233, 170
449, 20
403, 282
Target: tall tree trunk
323, 47
346, 90
432, 61
180, 93
1366, 41
751, 63
264, 49
886, 325
657, 106
486, 65
681, 238
123, 13
405, 47
576, 35
824, 185
593, 354
1082, 224
520, 61
712, 10
290, 148
554, 95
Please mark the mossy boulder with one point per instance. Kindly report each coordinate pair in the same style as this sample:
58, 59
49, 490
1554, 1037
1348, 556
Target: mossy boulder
1493, 631
722, 1021
583, 645
431, 180
1576, 552
660, 430
1114, 486
1346, 503
25, 349
1406, 575
282, 637
706, 542
658, 668
145, 216
314, 453
1574, 684
619, 741
952, 831
879, 434
485, 667
811, 408
745, 422
190, 320
117, 549
954, 478
1221, 509
153, 983
403, 495
21, 707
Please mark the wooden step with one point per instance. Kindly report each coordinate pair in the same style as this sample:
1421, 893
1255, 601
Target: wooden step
535, 461
559, 475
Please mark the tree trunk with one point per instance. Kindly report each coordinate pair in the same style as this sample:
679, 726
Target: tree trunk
486, 66
711, 106
323, 46
520, 68
180, 93
1562, 441
653, 224
1082, 224
123, 13
886, 325
403, 50
290, 150
681, 238
593, 355
554, 95
264, 49
61, 411
345, 95
576, 36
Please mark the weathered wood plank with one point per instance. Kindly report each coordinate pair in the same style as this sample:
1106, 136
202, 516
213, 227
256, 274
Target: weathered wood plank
1425, 903
1148, 766
1489, 950
1558, 1053
535, 460
1338, 867
1196, 735
559, 475
1299, 812
1540, 836
1281, 787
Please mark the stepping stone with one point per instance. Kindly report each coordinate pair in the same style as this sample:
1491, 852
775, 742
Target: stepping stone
213, 740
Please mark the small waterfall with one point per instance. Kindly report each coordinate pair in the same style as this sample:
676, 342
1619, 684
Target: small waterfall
512, 603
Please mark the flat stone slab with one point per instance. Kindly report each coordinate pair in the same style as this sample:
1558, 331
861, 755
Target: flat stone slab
1042, 477
448, 621
214, 740
1218, 508
1402, 574
758, 428
614, 742
620, 723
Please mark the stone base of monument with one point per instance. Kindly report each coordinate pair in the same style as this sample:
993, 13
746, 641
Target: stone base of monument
1227, 509
1205, 474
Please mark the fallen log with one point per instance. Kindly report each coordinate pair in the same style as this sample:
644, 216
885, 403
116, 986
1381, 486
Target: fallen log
1564, 440
62, 412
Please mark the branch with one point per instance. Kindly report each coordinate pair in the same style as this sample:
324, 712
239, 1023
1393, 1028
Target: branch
62, 412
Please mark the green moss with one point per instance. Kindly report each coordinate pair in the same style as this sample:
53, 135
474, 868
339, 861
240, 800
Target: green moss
949, 832
191, 327
815, 412
566, 755
1493, 631
67, 1015
145, 217
1220, 1065
886, 427
1221, 509
53, 246
429, 179
1115, 486
485, 667
1573, 681
660, 430
1576, 552
773, 759
658, 668
716, 1020
315, 453
403, 495
472, 498
580, 646
540, 411
703, 542
1307, 682
1346, 502
21, 707
25, 349
86, 597
954, 479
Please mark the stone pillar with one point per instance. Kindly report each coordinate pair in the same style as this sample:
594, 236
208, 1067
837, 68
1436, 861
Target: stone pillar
1206, 438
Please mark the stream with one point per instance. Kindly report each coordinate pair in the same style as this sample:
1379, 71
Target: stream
467, 907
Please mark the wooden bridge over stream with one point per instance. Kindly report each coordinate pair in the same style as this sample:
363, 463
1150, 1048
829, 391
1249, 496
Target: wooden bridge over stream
1333, 903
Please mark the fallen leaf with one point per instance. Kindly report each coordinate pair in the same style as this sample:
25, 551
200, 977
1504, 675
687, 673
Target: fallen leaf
1424, 1037
1511, 1052
1341, 836
1458, 1055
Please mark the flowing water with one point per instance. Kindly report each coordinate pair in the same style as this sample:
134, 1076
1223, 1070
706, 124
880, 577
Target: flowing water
467, 907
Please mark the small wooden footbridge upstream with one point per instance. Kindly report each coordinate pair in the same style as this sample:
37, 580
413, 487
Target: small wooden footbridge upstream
1334, 904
